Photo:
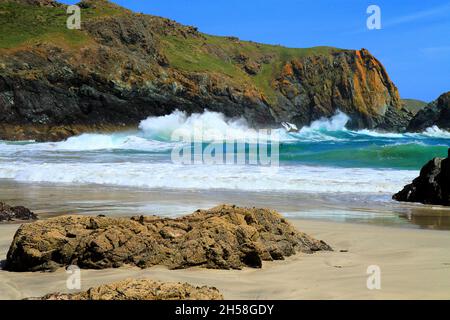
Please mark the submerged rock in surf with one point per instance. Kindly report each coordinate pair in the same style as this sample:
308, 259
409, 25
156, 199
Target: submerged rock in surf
224, 237
19, 213
432, 186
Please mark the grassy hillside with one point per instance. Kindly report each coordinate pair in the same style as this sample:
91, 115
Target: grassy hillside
25, 24
414, 105
217, 54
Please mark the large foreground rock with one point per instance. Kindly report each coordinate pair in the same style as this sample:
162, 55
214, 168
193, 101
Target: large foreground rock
142, 289
19, 213
224, 237
432, 186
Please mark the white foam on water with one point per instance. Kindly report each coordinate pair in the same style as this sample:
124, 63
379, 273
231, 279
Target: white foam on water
376, 134
90, 142
436, 132
321, 130
207, 126
335, 123
200, 177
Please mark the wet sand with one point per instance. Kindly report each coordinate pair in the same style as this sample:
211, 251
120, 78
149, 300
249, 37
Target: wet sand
415, 264
376, 209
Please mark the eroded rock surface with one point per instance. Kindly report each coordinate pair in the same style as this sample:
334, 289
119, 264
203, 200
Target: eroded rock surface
432, 186
142, 289
224, 237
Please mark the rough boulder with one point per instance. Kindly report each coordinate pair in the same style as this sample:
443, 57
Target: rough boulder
224, 237
141, 289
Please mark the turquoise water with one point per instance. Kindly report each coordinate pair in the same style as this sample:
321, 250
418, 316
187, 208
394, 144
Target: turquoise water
364, 151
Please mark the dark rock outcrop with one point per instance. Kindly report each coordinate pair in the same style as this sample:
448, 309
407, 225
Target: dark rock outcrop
141, 289
224, 237
19, 213
432, 186
126, 66
437, 113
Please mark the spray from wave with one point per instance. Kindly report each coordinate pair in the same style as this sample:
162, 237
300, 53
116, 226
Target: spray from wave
208, 125
436, 132
335, 123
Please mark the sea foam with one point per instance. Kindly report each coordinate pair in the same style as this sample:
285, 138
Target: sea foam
299, 178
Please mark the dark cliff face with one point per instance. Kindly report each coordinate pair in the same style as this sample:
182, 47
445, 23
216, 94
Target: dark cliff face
436, 113
122, 67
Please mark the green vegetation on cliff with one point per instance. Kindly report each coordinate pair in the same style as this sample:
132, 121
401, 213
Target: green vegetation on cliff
243, 61
414, 105
22, 23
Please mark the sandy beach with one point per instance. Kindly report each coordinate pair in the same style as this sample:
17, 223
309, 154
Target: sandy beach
415, 264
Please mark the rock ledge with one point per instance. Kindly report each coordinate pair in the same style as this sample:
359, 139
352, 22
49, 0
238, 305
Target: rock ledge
224, 237
141, 289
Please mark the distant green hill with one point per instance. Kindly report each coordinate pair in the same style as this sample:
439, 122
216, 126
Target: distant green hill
414, 105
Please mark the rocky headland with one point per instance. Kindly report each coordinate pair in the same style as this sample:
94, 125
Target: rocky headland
432, 186
122, 67
224, 237
140, 289
436, 113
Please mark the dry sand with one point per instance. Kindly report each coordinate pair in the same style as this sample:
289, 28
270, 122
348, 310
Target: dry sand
415, 264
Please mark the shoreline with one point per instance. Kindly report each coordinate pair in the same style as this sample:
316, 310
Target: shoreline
49, 200
415, 264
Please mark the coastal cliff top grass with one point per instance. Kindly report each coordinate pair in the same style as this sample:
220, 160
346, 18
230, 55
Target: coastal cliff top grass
414, 105
22, 24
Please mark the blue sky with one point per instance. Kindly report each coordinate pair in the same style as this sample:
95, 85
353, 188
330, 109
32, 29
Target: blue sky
413, 43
